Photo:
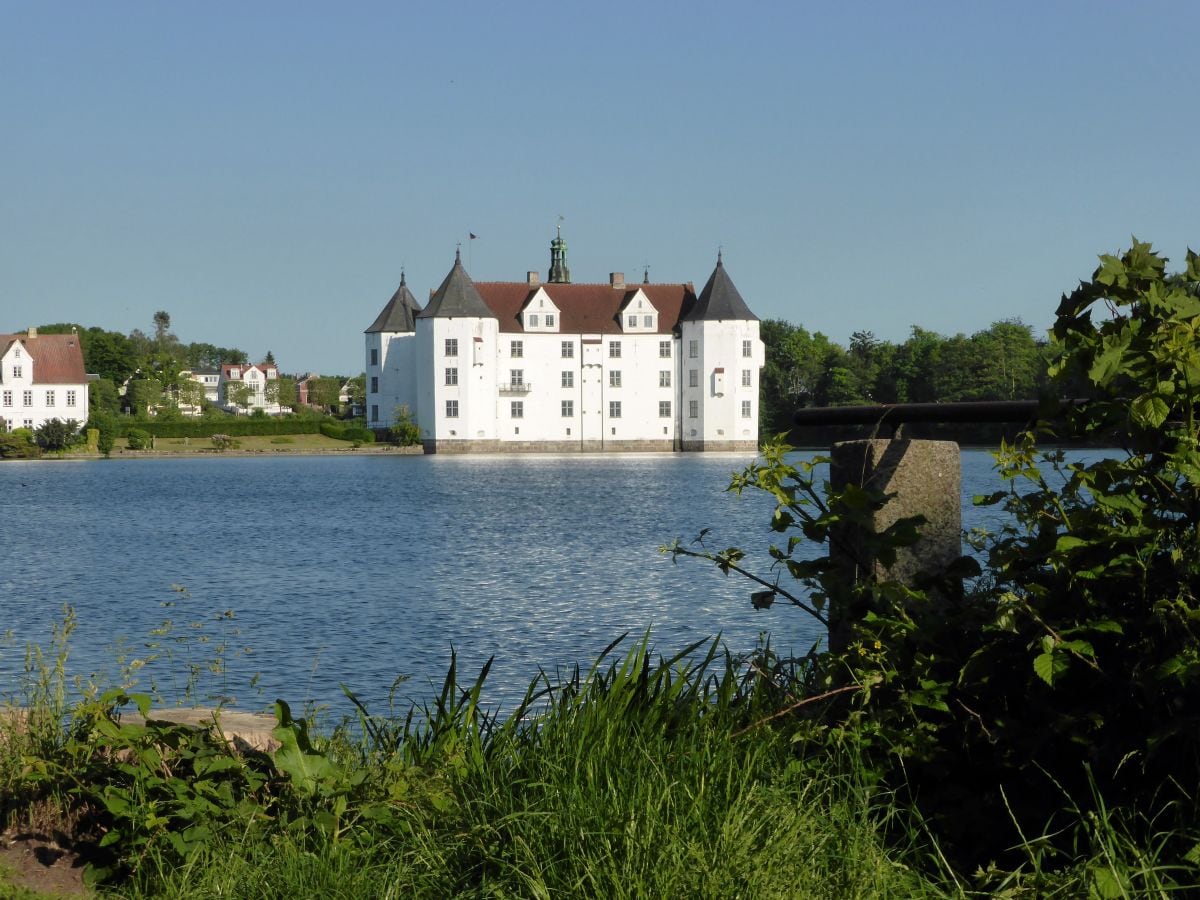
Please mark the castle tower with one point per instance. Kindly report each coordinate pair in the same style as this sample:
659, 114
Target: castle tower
457, 337
391, 359
722, 356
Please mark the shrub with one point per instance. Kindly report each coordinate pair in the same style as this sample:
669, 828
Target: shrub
222, 442
139, 439
348, 432
404, 432
15, 446
1068, 681
56, 434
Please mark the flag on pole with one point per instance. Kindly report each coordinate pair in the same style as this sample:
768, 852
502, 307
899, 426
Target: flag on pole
473, 235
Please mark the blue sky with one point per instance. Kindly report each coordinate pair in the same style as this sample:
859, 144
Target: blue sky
263, 171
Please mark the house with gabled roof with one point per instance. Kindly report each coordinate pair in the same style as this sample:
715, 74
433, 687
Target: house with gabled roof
559, 366
42, 378
246, 387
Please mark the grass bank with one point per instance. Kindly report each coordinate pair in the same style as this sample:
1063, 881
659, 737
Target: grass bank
638, 777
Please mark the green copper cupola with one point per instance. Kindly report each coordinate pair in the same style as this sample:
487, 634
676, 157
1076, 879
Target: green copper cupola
559, 272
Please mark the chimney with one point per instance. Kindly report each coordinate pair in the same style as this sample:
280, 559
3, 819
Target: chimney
32, 332
617, 280
532, 278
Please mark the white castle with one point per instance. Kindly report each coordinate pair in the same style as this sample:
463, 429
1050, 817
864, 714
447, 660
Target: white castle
554, 366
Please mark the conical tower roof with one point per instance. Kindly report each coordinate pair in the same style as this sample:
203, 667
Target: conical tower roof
457, 297
720, 300
400, 312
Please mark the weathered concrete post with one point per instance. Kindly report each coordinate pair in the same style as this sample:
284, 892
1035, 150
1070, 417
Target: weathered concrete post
925, 478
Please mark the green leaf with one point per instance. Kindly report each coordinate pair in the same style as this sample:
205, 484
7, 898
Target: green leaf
1107, 365
762, 599
1106, 884
1149, 410
1049, 666
1069, 542
989, 499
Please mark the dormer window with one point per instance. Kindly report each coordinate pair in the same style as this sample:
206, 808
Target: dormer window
16, 353
235, 373
632, 321
533, 320
549, 320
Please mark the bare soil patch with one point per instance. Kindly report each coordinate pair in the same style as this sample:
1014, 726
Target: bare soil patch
44, 865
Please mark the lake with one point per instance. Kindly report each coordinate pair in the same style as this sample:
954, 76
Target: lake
318, 571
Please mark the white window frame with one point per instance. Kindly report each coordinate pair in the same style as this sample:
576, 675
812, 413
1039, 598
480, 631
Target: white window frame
568, 378
516, 349
567, 409
568, 349
664, 349
614, 349
451, 376
451, 347
664, 409
451, 409
614, 409
516, 409
614, 378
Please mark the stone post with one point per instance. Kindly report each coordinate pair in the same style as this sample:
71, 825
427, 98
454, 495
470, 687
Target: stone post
925, 478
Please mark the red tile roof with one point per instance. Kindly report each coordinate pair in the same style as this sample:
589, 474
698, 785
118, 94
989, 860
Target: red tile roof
57, 358
586, 308
243, 368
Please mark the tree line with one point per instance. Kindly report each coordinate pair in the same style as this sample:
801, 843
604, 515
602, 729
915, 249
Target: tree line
1002, 362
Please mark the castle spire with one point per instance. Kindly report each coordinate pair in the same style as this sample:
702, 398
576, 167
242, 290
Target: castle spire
559, 273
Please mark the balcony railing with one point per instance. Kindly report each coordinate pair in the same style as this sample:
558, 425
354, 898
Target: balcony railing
515, 387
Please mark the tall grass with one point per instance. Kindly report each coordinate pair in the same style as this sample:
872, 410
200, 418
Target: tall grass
638, 776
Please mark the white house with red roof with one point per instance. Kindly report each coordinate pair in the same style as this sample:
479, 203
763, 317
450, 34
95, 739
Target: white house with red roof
42, 378
557, 366
246, 387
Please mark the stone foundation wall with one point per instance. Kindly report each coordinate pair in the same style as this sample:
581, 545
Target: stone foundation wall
494, 446
720, 446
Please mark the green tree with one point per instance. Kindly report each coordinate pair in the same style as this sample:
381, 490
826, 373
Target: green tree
404, 431
239, 395
143, 395
162, 326
103, 397
282, 391
1009, 363
56, 434
325, 392
357, 391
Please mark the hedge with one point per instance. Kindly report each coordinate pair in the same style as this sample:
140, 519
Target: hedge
348, 432
202, 428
